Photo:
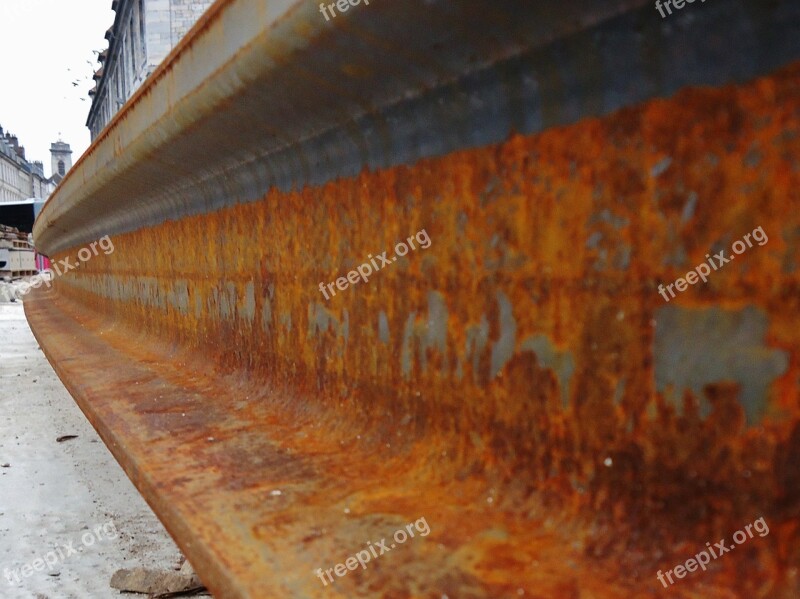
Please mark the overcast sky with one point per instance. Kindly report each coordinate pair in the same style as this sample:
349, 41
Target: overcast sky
44, 49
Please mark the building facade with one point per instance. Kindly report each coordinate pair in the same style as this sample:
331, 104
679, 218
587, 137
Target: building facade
21, 179
60, 160
143, 33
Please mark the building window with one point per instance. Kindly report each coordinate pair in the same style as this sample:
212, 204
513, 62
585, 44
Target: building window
61, 170
141, 31
130, 77
135, 41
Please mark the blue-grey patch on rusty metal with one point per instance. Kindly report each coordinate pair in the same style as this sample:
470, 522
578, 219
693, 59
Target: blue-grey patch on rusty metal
345, 327
696, 347
606, 216
321, 320
477, 339
198, 305
223, 301
594, 240
753, 157
792, 239
503, 348
622, 260
266, 314
383, 328
181, 296
677, 257
548, 356
248, 310
661, 167
437, 325
407, 348
688, 209
423, 335
619, 391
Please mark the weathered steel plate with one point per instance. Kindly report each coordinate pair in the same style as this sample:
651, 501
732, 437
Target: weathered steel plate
516, 380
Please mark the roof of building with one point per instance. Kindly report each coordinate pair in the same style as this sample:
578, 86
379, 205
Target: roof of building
8, 150
12, 151
60, 146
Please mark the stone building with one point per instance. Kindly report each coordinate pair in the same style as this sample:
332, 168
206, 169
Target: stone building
143, 33
21, 179
60, 159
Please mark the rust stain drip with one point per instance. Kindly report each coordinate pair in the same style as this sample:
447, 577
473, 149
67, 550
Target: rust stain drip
520, 360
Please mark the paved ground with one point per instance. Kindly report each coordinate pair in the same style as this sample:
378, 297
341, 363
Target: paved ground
66, 502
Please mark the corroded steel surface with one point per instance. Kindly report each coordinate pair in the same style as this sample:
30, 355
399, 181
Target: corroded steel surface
266, 94
520, 383
513, 402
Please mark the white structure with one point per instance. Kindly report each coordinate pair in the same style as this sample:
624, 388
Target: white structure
19, 178
60, 159
143, 33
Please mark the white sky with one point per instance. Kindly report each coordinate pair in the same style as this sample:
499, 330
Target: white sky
44, 48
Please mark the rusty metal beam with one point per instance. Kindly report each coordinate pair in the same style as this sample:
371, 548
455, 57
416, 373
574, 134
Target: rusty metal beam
520, 383
268, 94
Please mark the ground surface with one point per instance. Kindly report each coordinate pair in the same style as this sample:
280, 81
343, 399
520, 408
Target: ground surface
55, 495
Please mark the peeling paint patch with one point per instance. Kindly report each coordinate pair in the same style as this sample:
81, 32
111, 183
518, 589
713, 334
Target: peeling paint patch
503, 349
561, 362
198, 305
694, 348
753, 158
345, 326
383, 328
321, 320
437, 323
660, 167
594, 240
689, 208
406, 351
623, 257
606, 216
477, 339
179, 297
266, 314
792, 240
249, 307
